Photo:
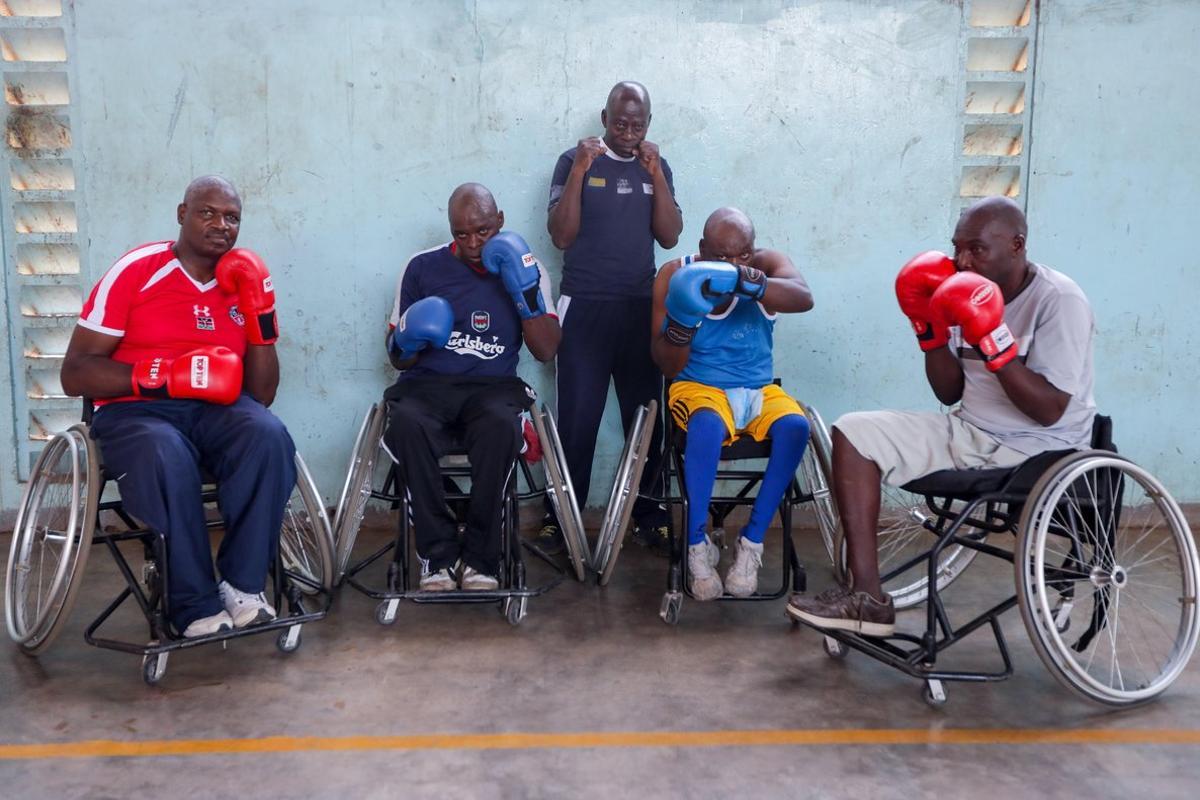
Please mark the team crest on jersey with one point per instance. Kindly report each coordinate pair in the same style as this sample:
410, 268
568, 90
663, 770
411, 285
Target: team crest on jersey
480, 321
623, 187
236, 316
204, 320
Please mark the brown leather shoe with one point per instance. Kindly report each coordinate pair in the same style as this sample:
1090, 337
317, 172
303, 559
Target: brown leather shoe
846, 610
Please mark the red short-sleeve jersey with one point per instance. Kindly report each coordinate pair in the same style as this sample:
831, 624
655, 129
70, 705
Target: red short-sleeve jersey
158, 309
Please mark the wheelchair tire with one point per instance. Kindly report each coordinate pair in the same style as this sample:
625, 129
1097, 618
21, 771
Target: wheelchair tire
357, 488
305, 538
59, 507
901, 537
562, 493
1103, 532
624, 492
816, 469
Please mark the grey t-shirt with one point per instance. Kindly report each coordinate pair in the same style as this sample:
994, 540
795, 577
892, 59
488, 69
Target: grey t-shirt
1053, 325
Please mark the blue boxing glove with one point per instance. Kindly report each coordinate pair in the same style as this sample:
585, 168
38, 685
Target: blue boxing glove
506, 254
694, 291
424, 323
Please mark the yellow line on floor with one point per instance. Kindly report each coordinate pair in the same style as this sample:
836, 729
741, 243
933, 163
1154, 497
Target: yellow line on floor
107, 748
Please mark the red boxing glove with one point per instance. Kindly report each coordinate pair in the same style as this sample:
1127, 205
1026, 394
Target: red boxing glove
242, 272
976, 304
916, 283
211, 374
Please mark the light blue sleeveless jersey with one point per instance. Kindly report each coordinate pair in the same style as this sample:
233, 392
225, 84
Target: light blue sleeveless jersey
732, 349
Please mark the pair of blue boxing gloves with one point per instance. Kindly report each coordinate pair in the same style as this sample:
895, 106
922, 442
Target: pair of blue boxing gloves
696, 289
429, 322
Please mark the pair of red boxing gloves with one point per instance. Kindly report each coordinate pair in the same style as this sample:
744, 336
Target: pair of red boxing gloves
934, 295
214, 374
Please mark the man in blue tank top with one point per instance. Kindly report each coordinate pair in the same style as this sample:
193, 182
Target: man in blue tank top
611, 199
462, 311
713, 322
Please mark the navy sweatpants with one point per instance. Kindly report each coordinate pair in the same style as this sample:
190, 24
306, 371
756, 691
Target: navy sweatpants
155, 450
605, 340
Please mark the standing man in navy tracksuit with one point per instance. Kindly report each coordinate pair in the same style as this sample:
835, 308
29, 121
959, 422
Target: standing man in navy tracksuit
611, 199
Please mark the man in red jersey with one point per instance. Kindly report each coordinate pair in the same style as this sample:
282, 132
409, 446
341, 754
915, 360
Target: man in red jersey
176, 345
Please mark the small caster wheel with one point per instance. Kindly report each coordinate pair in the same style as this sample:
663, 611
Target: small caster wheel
385, 612
672, 602
288, 640
515, 609
834, 648
153, 668
933, 693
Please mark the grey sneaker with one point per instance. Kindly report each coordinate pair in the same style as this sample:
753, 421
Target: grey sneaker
207, 626
703, 581
845, 610
441, 580
742, 578
473, 579
245, 608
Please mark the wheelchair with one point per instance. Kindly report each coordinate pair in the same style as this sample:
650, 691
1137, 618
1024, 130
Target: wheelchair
1105, 569
373, 475
815, 491
59, 519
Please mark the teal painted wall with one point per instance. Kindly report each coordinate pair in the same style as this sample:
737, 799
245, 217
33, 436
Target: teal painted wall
835, 125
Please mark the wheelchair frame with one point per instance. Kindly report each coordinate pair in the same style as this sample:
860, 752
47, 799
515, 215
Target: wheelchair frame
513, 595
288, 583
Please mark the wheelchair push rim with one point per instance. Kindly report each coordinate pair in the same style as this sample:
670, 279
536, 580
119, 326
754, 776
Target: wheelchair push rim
816, 469
305, 538
561, 492
624, 492
357, 488
1106, 574
51, 539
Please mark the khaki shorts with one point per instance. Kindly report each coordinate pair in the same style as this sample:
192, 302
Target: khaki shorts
908, 444
688, 397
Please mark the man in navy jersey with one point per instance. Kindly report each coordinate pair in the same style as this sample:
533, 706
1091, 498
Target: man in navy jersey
611, 199
462, 311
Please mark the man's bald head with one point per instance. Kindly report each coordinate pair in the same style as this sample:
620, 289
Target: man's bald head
1001, 210
474, 219
728, 236
990, 240
627, 91
206, 183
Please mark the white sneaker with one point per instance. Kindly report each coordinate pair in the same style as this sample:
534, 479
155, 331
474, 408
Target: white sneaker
703, 581
742, 578
207, 626
441, 580
473, 579
245, 608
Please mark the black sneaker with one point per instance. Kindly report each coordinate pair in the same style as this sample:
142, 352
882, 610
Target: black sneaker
842, 609
655, 537
550, 538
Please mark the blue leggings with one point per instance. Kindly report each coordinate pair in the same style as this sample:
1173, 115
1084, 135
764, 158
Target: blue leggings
705, 433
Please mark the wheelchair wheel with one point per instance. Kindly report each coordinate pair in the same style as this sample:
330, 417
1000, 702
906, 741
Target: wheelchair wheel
815, 468
624, 492
305, 539
1106, 572
51, 539
903, 535
561, 492
352, 504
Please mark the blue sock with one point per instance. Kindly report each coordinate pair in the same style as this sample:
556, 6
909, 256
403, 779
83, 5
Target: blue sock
789, 436
705, 433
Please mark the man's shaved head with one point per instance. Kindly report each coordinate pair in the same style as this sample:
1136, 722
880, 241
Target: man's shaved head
206, 182
626, 91
728, 236
471, 195
1001, 210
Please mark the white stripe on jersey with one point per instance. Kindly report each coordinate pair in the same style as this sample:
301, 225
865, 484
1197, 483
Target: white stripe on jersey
110, 277
163, 272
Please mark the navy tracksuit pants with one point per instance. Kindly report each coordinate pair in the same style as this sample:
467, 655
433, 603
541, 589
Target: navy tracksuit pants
155, 450
605, 340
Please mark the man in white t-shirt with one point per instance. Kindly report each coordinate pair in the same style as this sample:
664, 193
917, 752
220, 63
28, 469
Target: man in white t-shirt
1010, 342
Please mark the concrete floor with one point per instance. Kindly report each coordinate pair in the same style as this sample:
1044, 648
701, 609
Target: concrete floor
585, 660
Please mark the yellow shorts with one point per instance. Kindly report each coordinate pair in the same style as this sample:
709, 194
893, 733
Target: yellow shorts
687, 397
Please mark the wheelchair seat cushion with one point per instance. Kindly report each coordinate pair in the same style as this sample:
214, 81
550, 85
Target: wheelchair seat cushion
965, 484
